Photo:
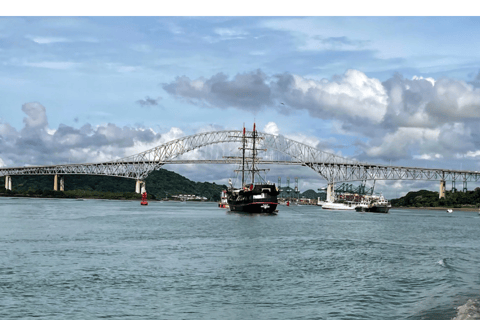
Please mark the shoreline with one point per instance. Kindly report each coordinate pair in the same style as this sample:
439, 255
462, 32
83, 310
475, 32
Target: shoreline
93, 198
472, 209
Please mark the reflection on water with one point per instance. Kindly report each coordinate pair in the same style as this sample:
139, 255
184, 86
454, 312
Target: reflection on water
93, 259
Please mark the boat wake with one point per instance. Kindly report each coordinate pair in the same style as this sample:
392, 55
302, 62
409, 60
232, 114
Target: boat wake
470, 310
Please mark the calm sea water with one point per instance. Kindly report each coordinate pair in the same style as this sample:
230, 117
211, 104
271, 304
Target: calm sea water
70, 259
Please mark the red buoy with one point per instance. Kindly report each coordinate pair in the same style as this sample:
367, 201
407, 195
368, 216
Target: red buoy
144, 199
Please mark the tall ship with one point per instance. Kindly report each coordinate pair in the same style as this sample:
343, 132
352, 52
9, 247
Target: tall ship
252, 197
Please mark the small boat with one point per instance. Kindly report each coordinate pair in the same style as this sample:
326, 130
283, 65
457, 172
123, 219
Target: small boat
363, 206
338, 206
375, 204
449, 210
223, 200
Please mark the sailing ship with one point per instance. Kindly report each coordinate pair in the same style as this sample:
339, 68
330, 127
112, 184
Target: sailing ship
252, 197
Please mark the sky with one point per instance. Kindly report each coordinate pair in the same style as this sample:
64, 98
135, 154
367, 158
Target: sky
380, 89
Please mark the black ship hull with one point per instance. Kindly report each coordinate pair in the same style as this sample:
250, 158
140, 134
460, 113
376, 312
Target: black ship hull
254, 199
379, 209
255, 207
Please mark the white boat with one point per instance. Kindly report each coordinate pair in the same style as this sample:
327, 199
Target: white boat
320, 202
223, 200
449, 210
363, 206
338, 206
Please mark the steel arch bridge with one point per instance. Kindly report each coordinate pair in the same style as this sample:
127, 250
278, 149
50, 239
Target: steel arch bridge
331, 167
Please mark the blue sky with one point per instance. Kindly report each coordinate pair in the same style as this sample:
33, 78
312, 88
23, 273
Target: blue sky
400, 90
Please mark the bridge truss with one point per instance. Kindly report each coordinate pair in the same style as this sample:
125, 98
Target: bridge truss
331, 167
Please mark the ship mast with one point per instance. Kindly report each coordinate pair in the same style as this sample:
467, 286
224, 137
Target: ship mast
253, 155
243, 157
246, 157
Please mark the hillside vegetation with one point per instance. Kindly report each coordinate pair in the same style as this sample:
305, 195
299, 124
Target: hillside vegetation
160, 184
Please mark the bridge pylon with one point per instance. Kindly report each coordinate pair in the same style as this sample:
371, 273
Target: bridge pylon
58, 181
441, 194
330, 192
8, 182
140, 186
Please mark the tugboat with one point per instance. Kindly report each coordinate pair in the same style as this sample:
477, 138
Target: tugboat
252, 197
223, 200
376, 204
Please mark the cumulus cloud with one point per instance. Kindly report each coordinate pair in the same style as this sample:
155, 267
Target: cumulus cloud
37, 144
476, 81
400, 118
271, 128
245, 91
148, 102
352, 95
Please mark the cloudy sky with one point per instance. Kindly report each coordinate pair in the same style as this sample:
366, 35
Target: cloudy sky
399, 90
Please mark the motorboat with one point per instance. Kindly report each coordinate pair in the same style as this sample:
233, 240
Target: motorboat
338, 206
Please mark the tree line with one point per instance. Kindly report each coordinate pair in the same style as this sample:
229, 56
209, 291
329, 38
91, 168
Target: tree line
160, 184
425, 198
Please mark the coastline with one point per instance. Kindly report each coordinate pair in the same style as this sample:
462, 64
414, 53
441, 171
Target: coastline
2, 195
472, 209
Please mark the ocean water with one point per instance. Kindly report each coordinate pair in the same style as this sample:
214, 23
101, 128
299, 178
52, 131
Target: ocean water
93, 259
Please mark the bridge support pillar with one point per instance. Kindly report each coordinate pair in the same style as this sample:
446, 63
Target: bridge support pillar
58, 181
8, 182
140, 186
330, 192
441, 194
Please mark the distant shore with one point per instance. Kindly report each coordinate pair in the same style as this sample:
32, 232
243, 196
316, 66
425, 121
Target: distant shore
20, 195
440, 208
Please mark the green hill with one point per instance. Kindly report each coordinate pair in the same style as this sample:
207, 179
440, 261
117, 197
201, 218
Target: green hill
425, 198
161, 183
310, 194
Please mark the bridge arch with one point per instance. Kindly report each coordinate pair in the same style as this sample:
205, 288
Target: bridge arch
306, 155
331, 167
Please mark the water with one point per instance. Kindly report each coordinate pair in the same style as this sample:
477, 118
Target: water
69, 259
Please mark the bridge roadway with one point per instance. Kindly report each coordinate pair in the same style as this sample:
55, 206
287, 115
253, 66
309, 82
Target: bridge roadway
331, 167
341, 172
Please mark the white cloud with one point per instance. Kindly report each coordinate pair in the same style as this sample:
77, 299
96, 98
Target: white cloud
47, 40
350, 95
58, 65
431, 80
473, 154
229, 33
398, 144
42, 145
428, 156
271, 128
